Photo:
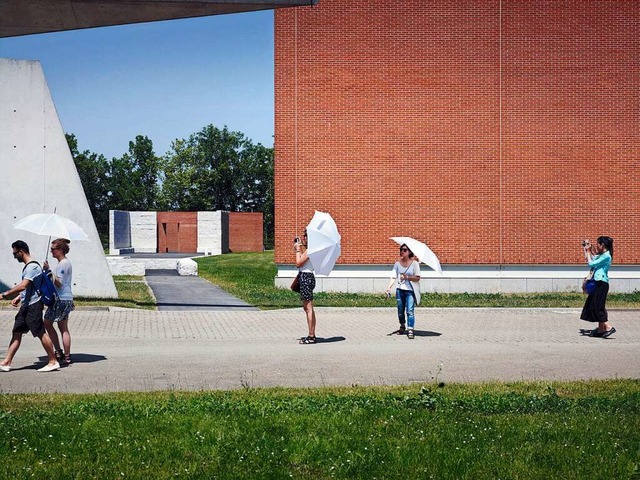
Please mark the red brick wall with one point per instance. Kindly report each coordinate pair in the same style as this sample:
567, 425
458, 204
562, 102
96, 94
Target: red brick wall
496, 131
177, 232
245, 232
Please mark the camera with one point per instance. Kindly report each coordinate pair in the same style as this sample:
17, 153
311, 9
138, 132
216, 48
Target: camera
585, 243
296, 240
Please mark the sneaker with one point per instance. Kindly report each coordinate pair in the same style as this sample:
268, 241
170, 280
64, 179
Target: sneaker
608, 333
5, 368
50, 368
410, 334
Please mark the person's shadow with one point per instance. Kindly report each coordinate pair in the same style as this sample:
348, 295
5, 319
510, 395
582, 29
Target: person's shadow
76, 358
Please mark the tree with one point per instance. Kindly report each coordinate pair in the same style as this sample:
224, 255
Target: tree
134, 177
216, 169
93, 170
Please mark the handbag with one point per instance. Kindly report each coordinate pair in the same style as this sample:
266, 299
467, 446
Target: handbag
589, 283
295, 285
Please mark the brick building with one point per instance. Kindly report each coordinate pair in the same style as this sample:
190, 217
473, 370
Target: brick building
501, 132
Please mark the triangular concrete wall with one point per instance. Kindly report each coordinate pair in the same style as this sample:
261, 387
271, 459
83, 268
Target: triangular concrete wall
37, 174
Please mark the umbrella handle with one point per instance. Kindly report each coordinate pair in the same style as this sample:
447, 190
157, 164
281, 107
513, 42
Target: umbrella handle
46, 255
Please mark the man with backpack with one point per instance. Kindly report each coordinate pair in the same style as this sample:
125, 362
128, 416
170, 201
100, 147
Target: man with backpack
29, 317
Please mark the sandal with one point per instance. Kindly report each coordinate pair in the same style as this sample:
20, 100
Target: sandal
410, 334
59, 355
67, 359
307, 340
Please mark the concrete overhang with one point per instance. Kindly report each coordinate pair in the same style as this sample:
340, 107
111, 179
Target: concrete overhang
26, 17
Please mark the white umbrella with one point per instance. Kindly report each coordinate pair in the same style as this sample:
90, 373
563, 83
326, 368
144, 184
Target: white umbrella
52, 225
324, 243
420, 250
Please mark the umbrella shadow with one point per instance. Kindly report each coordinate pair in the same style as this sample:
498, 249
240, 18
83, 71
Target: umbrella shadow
417, 333
330, 339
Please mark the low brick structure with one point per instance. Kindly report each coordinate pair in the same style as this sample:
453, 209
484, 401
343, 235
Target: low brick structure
210, 233
246, 232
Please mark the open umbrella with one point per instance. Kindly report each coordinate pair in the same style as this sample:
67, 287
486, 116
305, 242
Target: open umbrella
420, 250
324, 243
52, 225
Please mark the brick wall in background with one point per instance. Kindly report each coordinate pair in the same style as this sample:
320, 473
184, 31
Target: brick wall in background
177, 232
245, 232
500, 132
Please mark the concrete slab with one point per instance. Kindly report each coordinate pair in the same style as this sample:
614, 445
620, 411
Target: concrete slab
136, 350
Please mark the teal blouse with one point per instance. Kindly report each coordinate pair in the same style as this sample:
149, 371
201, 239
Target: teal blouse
601, 263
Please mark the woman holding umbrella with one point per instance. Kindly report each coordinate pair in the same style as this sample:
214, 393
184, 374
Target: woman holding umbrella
307, 283
59, 311
406, 273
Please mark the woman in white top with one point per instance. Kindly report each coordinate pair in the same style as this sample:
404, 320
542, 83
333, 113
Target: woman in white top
307, 283
406, 273
59, 311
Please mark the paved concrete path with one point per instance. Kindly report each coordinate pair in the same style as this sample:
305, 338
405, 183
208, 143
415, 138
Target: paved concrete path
187, 293
143, 350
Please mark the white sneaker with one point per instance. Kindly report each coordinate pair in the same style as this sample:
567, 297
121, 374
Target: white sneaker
5, 368
50, 368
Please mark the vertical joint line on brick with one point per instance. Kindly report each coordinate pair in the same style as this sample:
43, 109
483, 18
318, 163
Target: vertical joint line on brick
295, 115
500, 131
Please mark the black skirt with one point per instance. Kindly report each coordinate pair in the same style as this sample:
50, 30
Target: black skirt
594, 309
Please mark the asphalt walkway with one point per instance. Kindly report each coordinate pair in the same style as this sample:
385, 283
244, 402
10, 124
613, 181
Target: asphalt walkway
189, 293
139, 350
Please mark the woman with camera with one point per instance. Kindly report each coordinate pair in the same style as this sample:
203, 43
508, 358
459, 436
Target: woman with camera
599, 259
307, 283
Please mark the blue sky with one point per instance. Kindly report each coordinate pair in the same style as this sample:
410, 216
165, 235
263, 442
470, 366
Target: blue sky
165, 80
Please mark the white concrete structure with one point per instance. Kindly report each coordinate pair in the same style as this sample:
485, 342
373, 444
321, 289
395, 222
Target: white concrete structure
132, 231
38, 175
187, 266
144, 231
126, 266
468, 278
137, 232
213, 232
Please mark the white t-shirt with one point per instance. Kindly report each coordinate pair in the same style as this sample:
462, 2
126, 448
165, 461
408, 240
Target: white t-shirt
398, 270
64, 274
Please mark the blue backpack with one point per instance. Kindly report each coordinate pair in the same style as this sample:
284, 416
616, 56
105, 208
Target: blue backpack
44, 287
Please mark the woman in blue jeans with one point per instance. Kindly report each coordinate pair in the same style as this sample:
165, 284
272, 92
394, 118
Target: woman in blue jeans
406, 273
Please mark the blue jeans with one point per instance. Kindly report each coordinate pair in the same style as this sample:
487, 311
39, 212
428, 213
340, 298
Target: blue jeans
406, 302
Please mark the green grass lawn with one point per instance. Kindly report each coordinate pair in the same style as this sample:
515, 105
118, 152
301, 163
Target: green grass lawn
576, 430
250, 276
133, 292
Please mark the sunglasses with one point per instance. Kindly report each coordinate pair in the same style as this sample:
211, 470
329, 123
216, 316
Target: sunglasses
404, 249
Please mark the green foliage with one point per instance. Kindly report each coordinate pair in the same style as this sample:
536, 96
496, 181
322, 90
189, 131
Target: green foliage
250, 276
93, 170
214, 169
134, 178
570, 430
